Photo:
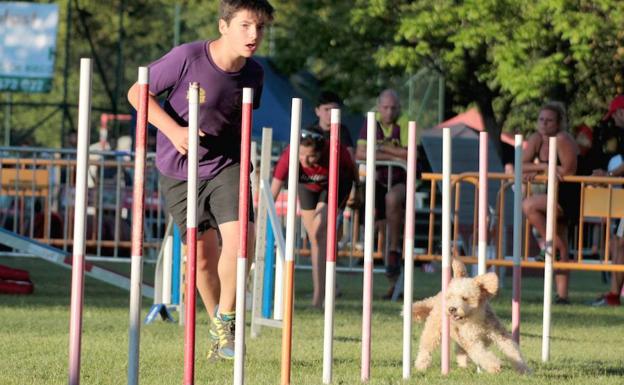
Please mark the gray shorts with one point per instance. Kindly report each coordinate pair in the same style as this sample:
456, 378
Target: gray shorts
217, 200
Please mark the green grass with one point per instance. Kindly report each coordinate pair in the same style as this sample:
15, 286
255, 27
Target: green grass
587, 343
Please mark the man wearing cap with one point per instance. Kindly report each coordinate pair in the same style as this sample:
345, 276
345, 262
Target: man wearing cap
610, 134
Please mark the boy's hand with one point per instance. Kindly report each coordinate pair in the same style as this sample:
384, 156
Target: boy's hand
179, 139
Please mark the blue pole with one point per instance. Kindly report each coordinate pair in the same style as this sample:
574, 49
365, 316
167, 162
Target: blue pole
269, 272
175, 271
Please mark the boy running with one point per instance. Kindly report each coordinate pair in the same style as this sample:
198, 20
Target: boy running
222, 67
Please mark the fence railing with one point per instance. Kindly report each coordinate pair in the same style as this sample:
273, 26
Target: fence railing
601, 202
37, 199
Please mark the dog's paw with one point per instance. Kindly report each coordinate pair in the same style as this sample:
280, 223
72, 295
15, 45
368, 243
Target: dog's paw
421, 365
492, 367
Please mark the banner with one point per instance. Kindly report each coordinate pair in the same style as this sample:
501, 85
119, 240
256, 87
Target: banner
27, 46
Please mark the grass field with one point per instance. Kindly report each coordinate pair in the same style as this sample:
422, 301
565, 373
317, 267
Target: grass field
587, 343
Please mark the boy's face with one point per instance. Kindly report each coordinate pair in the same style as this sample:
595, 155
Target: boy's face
324, 114
308, 156
244, 32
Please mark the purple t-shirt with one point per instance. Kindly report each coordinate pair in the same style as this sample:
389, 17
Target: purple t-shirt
220, 107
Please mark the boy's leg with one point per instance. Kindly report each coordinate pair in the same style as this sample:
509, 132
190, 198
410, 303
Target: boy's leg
230, 236
207, 272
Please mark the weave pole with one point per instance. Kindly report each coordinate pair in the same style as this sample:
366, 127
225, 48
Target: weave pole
138, 204
446, 245
369, 239
191, 236
289, 265
551, 218
408, 250
330, 266
483, 201
243, 221
517, 241
78, 254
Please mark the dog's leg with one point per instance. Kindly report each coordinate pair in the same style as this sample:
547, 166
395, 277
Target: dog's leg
461, 356
429, 340
509, 348
481, 356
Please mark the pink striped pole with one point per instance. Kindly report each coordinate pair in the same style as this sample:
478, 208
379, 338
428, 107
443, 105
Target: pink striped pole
289, 261
408, 252
77, 285
551, 217
517, 241
446, 245
191, 235
483, 201
243, 221
138, 201
330, 272
369, 224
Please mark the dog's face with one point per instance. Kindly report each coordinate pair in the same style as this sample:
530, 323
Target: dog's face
466, 297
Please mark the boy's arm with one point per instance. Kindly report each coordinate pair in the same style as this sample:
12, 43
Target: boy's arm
157, 116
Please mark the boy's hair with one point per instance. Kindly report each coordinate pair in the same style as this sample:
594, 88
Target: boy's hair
327, 97
229, 8
559, 109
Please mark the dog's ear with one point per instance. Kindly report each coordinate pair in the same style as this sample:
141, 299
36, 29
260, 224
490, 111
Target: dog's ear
488, 284
459, 269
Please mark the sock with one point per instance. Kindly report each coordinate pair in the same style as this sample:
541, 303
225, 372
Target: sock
227, 316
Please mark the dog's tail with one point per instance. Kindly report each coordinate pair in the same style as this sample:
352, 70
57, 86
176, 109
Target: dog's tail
421, 309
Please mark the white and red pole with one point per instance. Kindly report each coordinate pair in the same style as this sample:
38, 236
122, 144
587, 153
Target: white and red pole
82, 161
138, 202
551, 217
243, 221
369, 228
408, 250
191, 235
517, 240
446, 245
289, 265
483, 201
330, 266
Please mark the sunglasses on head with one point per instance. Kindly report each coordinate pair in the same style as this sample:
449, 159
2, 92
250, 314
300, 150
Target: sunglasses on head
317, 137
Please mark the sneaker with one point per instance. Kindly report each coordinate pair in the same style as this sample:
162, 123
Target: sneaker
607, 299
561, 300
222, 332
213, 352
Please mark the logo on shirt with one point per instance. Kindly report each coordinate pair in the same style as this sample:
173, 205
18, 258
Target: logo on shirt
202, 95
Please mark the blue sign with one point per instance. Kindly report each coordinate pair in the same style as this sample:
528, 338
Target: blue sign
27, 46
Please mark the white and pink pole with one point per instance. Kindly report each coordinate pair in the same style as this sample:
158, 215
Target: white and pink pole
191, 235
408, 250
330, 266
243, 220
517, 240
77, 285
446, 246
138, 202
369, 239
483, 202
289, 265
551, 206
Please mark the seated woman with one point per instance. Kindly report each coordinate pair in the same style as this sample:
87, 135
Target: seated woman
552, 123
313, 192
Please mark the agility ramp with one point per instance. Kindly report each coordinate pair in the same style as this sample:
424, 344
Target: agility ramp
64, 259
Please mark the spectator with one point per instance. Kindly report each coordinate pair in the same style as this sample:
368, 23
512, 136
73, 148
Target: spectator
326, 102
612, 145
312, 191
389, 199
552, 123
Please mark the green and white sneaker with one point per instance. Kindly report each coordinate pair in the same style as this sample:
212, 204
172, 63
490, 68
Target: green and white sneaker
222, 329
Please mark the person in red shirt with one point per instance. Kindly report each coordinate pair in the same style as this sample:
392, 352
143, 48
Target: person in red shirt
312, 191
